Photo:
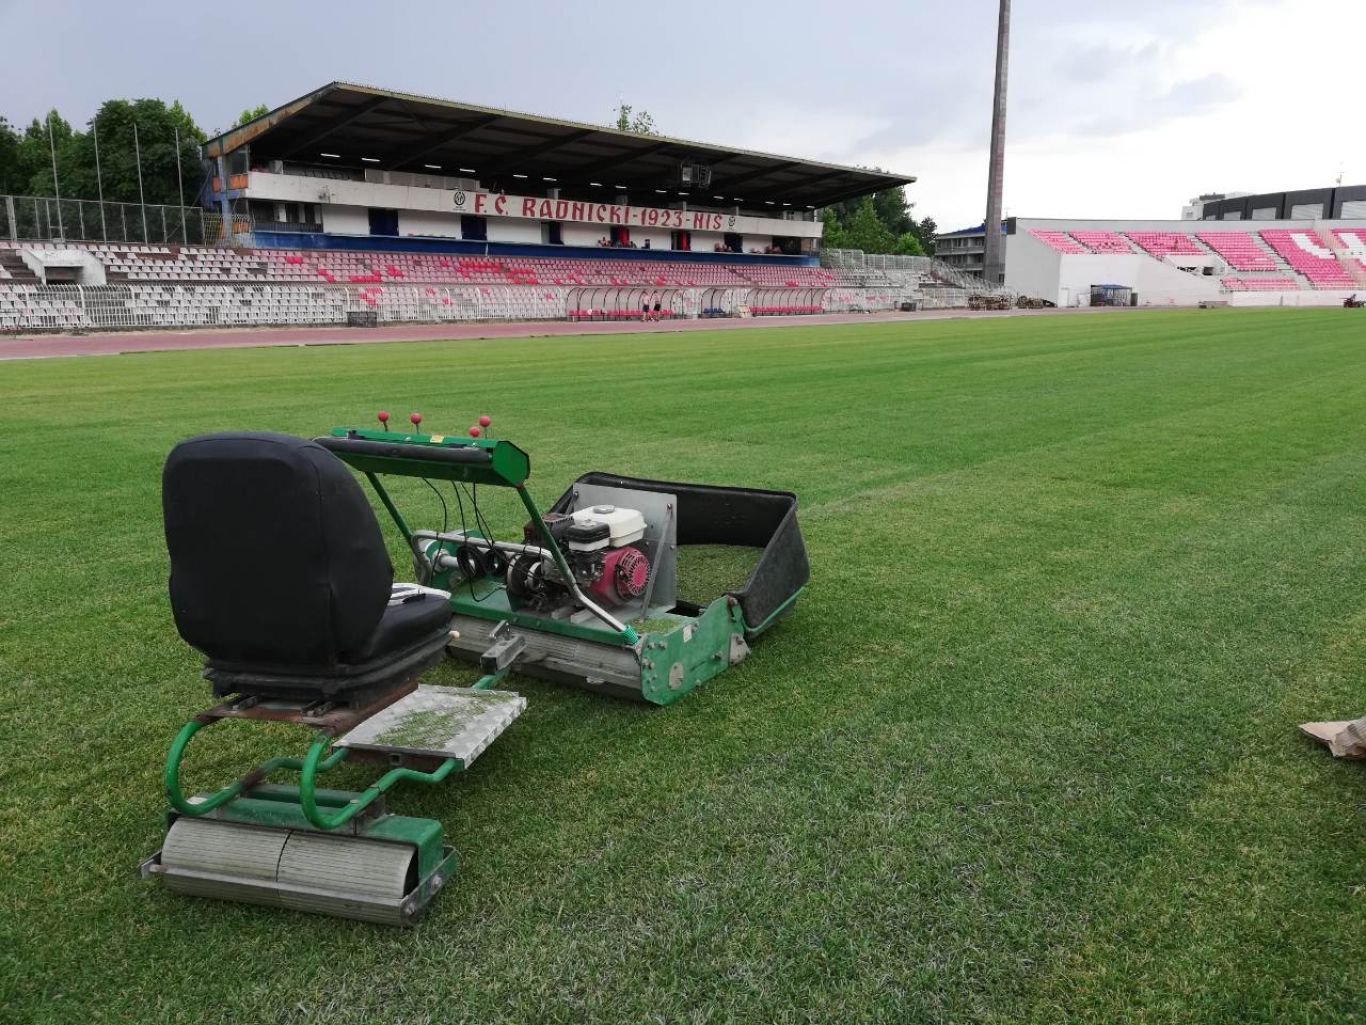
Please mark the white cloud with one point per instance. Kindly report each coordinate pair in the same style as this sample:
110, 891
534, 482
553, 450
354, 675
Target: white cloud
1261, 96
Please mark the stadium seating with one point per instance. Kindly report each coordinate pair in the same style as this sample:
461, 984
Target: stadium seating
1104, 242
1307, 255
1058, 241
211, 265
1165, 243
1239, 250
1353, 243
1259, 284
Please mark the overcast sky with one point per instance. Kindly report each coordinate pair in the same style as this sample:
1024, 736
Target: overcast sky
1118, 108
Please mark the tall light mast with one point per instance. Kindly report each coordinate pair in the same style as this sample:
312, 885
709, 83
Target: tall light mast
993, 267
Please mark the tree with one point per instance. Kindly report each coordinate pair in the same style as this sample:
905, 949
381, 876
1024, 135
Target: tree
251, 114
894, 212
26, 158
157, 125
866, 230
9, 159
34, 164
908, 245
629, 121
925, 231
833, 235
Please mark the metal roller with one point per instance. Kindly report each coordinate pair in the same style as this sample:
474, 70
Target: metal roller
341, 876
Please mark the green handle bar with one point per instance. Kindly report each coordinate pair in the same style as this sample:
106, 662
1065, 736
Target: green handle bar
313, 761
309, 766
171, 774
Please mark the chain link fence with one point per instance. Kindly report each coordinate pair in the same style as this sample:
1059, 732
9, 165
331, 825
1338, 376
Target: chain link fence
39, 218
857, 260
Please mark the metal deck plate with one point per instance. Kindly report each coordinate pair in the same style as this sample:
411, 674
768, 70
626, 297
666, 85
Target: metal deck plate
440, 722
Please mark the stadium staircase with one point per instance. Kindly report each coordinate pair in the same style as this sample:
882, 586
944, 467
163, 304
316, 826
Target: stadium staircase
1348, 262
13, 269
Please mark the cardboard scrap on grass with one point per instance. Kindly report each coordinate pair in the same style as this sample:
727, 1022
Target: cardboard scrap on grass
1346, 738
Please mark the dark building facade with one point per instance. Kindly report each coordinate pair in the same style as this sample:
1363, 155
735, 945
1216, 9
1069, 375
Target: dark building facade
1336, 203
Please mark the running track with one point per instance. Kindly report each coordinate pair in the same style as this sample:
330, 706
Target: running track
113, 344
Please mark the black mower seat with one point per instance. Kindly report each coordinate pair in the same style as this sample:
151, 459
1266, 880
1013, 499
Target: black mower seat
280, 576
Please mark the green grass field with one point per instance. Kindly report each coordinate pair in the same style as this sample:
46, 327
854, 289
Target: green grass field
1026, 752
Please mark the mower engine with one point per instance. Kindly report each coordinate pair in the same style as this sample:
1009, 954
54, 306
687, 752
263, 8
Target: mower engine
599, 544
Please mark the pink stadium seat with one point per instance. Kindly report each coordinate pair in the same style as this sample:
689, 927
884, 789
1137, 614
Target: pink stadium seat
1058, 241
1165, 243
1307, 255
1259, 284
1238, 249
1103, 242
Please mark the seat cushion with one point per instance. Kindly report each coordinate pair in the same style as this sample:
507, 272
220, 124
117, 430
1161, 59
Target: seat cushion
276, 555
410, 638
402, 625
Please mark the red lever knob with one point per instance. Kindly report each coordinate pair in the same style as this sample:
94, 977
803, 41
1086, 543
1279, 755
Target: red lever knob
416, 418
382, 417
484, 421
475, 432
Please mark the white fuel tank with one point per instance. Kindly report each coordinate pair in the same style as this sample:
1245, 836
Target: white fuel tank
625, 526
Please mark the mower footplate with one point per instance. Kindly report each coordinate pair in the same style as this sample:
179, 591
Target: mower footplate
438, 722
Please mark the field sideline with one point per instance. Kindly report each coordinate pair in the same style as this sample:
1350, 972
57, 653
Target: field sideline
1025, 753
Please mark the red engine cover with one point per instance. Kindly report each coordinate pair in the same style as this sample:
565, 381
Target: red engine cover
625, 572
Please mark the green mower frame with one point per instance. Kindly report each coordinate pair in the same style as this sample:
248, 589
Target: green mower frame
342, 853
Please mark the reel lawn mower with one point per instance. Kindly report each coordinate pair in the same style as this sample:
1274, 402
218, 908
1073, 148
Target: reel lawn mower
280, 576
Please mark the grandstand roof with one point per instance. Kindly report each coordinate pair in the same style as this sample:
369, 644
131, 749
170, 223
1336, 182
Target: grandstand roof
403, 132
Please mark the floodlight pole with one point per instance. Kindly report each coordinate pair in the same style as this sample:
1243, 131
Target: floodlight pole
56, 188
993, 266
142, 202
99, 180
180, 189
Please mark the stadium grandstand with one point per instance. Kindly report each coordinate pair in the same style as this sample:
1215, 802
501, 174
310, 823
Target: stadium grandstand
1185, 263
361, 205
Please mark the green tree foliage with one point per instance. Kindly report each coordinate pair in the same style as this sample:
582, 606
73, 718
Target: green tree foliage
26, 159
631, 120
908, 245
866, 231
10, 176
896, 214
833, 235
33, 158
251, 114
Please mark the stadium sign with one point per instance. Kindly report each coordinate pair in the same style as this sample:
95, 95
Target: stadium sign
488, 204
344, 202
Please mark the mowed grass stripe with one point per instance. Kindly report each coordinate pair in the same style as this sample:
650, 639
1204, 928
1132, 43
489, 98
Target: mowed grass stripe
1072, 593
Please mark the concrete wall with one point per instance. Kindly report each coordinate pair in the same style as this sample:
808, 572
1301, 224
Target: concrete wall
505, 229
1032, 267
581, 234
1316, 297
346, 220
416, 222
